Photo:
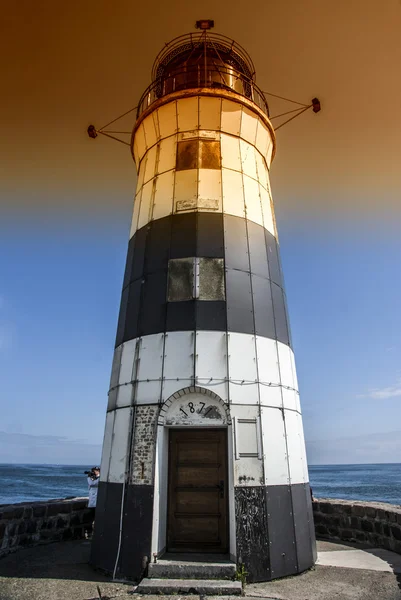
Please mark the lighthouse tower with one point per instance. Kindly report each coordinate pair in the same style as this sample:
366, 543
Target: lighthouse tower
203, 449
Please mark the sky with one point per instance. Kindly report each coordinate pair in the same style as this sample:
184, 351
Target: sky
66, 201
58, 313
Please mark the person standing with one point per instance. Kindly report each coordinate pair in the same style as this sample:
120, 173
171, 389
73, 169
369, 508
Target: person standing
93, 484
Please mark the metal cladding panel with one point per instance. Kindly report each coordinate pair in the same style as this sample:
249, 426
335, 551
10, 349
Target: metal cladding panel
272, 257
242, 369
303, 448
252, 532
150, 131
178, 361
263, 307
290, 399
133, 307
139, 243
269, 152
294, 371
106, 449
124, 395
209, 113
137, 530
150, 169
115, 368
263, 139
231, 117
239, 302
167, 116
122, 317
252, 200
284, 357
233, 193
145, 208
211, 362
280, 523
230, 152
181, 316
127, 362
155, 116
303, 540
266, 351
249, 124
104, 545
183, 236
270, 395
163, 195
288, 323
293, 425
135, 213
211, 315
112, 399
140, 146
141, 174
148, 392
151, 351
153, 306
186, 189
257, 250
263, 173
167, 154
210, 235
274, 447
267, 211
209, 189
248, 160
158, 245
280, 315
119, 445
150, 369
128, 262
188, 113
236, 243
298, 402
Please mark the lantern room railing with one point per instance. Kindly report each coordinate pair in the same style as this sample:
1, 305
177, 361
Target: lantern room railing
198, 76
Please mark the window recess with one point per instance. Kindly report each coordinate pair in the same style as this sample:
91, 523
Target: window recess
195, 278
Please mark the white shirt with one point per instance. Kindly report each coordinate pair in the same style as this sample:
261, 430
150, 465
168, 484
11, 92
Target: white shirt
93, 484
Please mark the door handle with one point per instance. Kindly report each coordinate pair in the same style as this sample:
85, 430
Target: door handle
221, 488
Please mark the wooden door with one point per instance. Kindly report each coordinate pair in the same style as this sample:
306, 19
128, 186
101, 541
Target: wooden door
197, 497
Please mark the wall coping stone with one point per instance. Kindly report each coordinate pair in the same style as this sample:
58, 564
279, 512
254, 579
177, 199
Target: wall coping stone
44, 521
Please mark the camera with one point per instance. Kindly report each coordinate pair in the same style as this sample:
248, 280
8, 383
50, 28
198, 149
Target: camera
92, 473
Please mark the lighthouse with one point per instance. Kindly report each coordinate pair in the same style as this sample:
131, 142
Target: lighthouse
203, 450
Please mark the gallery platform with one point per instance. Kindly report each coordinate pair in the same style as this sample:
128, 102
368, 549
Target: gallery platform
61, 571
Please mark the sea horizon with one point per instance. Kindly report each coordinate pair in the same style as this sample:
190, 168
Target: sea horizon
370, 482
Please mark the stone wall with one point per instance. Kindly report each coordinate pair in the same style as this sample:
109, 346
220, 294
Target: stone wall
374, 523
35, 523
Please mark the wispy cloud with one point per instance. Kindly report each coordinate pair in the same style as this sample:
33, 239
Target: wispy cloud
393, 391
369, 448
46, 449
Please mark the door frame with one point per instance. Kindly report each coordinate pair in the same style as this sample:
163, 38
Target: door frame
226, 496
160, 499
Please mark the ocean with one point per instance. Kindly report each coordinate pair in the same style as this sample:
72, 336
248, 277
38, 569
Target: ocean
24, 483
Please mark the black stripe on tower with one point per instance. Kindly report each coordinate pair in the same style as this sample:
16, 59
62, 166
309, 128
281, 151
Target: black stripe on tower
255, 299
137, 529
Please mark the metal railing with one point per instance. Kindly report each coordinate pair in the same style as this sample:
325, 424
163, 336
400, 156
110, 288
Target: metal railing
224, 78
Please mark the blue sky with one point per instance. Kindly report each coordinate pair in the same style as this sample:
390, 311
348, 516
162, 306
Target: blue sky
59, 300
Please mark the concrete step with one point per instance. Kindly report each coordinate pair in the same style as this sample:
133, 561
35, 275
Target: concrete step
186, 569
209, 587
